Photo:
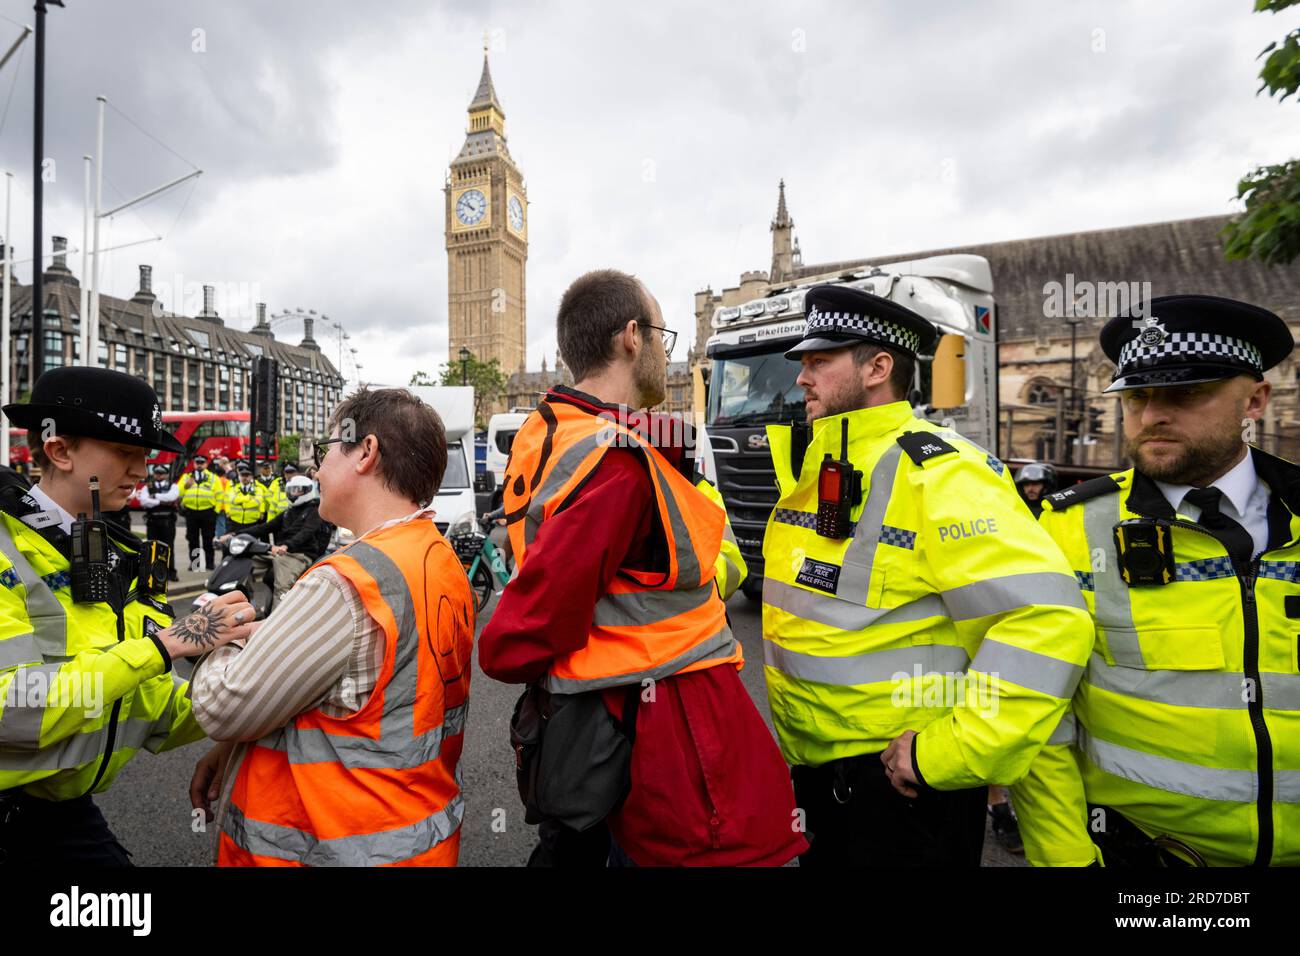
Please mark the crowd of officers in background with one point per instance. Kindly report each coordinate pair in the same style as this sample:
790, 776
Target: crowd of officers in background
216, 498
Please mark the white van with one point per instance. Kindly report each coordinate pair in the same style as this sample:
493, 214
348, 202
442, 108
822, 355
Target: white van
502, 429
455, 405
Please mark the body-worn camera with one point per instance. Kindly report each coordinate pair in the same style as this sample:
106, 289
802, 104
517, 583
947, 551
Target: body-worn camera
1146, 551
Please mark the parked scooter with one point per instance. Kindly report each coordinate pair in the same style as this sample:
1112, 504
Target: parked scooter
246, 567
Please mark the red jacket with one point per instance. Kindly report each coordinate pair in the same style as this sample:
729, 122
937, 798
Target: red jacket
709, 787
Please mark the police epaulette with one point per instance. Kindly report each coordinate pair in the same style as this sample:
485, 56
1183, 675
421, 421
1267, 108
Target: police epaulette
921, 446
1092, 488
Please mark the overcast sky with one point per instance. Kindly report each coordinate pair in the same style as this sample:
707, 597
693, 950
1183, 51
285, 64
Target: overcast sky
651, 137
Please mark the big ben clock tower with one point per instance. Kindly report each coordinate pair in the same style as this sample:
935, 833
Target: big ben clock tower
487, 240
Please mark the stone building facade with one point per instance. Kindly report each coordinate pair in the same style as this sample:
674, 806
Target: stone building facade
194, 363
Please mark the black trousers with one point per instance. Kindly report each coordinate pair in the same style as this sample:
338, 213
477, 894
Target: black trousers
200, 524
856, 818
160, 525
48, 833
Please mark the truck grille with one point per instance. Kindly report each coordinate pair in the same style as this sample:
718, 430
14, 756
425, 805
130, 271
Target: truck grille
748, 486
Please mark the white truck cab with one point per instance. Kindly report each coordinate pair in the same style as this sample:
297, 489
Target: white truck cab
751, 384
455, 405
502, 428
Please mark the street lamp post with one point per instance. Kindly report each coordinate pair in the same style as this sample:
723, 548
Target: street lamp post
1074, 336
36, 343
465, 356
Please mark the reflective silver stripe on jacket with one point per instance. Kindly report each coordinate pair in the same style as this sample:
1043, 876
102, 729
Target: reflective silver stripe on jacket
1012, 592
1037, 672
19, 649
1169, 774
46, 615
718, 647
77, 750
1065, 730
866, 668
1220, 690
562, 471
861, 553
649, 607
364, 849
1114, 610
824, 609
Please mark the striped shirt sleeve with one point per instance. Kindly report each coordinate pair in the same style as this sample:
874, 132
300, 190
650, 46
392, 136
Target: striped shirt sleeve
288, 666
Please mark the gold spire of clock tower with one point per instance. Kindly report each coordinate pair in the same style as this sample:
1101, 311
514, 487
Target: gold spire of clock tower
487, 239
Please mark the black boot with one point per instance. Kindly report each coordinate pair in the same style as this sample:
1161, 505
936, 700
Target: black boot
1005, 828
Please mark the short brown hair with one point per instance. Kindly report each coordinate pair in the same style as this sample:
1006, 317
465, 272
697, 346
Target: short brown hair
412, 441
900, 377
594, 307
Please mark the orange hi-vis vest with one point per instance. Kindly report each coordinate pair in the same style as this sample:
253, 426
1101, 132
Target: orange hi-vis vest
650, 625
379, 786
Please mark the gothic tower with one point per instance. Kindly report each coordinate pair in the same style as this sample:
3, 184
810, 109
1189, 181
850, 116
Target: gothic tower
785, 248
487, 240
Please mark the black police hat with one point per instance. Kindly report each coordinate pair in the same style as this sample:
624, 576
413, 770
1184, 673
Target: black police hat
838, 316
244, 468
290, 466
100, 403
160, 467
1189, 339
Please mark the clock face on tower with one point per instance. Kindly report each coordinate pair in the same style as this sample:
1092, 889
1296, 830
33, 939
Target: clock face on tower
471, 206
516, 210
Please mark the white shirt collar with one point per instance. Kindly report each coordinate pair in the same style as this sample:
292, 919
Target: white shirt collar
1237, 486
49, 505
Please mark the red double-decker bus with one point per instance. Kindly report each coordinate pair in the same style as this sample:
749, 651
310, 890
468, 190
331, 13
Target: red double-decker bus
215, 434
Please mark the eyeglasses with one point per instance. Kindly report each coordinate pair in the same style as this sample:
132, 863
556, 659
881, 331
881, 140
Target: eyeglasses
321, 448
670, 337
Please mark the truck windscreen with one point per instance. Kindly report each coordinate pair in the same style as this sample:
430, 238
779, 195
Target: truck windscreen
754, 390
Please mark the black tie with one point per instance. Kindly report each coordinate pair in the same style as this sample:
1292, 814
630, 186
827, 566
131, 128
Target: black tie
1240, 545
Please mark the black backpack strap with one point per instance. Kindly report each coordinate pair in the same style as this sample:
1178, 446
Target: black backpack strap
631, 706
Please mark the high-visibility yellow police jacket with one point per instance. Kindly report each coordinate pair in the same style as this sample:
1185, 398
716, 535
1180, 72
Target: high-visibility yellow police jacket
273, 492
947, 610
82, 687
245, 507
200, 490
730, 569
1187, 719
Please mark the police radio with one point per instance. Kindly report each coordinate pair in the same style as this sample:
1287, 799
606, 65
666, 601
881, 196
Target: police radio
839, 488
1146, 551
91, 573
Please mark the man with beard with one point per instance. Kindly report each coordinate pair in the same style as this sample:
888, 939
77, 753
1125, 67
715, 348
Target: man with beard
653, 752
1183, 746
1034, 481
922, 634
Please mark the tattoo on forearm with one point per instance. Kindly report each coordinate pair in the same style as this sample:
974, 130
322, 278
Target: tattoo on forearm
200, 628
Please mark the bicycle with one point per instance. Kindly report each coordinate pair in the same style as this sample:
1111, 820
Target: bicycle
485, 565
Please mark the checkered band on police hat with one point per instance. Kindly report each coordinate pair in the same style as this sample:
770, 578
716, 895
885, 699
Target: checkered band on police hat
1176, 347
123, 422
866, 326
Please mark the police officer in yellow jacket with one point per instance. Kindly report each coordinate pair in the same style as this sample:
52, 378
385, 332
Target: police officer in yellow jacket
244, 501
1183, 745
201, 492
921, 634
86, 636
